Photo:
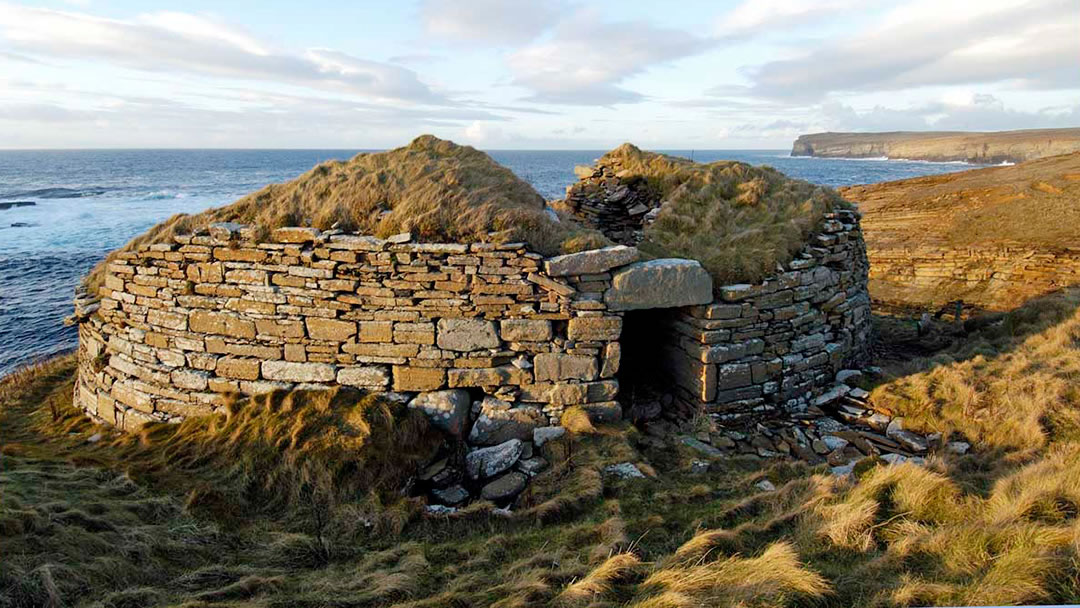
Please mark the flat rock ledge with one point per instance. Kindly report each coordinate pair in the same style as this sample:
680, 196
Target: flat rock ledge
663, 283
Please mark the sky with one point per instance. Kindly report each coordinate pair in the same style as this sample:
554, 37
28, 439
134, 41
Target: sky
523, 74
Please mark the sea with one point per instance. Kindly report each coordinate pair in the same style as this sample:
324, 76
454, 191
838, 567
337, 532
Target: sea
88, 202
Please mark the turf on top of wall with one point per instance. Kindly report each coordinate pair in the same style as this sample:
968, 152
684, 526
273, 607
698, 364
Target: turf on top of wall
738, 220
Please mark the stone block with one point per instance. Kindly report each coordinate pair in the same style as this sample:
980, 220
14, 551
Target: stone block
488, 376
591, 262
525, 330
663, 283
610, 360
212, 322
733, 375
414, 333
289, 371
376, 331
447, 410
166, 319
365, 376
295, 234
559, 366
594, 329
467, 335
190, 379
284, 328
489, 462
241, 369
408, 378
332, 330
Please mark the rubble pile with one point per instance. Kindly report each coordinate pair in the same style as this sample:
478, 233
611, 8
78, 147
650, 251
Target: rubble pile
607, 199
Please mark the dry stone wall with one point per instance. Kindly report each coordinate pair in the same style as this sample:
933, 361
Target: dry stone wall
775, 347
489, 340
180, 323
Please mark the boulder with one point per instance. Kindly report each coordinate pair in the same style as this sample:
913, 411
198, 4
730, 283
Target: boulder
664, 283
624, 470
499, 422
504, 488
448, 410
489, 462
595, 261
466, 335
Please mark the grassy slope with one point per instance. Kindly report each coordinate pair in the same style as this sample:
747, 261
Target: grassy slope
1032, 204
131, 521
738, 220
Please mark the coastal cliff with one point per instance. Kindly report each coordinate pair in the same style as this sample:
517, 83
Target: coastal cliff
942, 146
993, 237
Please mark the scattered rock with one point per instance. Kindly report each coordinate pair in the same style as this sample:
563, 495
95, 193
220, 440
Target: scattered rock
957, 447
832, 442
699, 467
504, 488
624, 470
909, 441
489, 462
848, 376
96, 437
843, 470
765, 486
440, 510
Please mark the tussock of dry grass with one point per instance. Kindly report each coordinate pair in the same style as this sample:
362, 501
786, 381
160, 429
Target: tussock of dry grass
738, 220
435, 189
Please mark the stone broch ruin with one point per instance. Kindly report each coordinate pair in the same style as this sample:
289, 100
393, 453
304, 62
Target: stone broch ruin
491, 340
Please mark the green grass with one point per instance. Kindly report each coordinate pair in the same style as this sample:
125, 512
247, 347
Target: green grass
213, 512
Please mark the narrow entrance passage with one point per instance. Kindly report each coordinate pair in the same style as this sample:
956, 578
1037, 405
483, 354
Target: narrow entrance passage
645, 383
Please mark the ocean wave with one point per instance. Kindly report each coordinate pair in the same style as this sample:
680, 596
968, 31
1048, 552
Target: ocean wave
161, 195
55, 193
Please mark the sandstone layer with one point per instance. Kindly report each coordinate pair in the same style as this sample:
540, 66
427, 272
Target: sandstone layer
993, 237
942, 146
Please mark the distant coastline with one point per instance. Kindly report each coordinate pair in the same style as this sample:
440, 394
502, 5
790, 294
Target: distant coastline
983, 148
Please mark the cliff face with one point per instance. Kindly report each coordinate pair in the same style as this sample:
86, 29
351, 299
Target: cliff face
942, 146
992, 237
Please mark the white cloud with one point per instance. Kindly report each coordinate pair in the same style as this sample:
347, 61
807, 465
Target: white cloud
193, 44
760, 16
488, 21
961, 111
1031, 43
586, 59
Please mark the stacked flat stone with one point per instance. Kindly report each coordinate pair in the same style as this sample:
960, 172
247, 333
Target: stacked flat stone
771, 348
620, 208
179, 323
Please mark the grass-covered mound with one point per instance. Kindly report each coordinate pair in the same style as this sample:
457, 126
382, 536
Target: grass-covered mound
738, 220
112, 524
435, 189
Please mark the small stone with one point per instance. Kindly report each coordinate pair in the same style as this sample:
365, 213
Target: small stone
701, 446
909, 440
832, 442
897, 424
894, 458
532, 466
401, 237
848, 376
489, 462
96, 437
878, 421
957, 447
454, 495
522, 362
624, 470
843, 470
858, 393
440, 510
504, 488
765, 486
723, 442
699, 467
544, 434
